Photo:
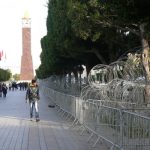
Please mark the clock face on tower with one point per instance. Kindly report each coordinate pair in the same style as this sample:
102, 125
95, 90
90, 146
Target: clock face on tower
26, 22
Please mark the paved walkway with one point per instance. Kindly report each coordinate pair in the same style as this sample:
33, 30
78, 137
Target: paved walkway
17, 132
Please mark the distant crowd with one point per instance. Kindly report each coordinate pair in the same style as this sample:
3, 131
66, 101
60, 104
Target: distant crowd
22, 86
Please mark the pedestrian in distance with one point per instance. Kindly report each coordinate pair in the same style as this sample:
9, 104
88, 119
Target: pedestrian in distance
32, 96
4, 90
1, 91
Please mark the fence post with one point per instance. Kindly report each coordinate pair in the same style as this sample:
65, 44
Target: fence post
121, 129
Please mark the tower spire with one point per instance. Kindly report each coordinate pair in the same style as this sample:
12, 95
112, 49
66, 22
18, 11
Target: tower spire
26, 15
26, 20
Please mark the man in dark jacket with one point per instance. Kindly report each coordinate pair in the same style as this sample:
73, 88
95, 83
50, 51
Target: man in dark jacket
32, 95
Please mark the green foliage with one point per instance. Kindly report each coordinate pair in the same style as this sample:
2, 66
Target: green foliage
5, 74
56, 56
90, 32
16, 77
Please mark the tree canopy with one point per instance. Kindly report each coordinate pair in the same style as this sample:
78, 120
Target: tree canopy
4, 74
88, 32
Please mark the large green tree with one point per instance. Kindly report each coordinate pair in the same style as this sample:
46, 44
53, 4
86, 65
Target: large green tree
56, 56
92, 31
94, 23
126, 19
129, 18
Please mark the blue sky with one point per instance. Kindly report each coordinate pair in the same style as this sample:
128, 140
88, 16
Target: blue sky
11, 13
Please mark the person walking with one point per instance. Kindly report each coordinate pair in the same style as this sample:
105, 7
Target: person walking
1, 91
32, 96
4, 89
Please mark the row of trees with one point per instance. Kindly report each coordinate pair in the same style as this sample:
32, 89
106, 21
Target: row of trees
5, 75
90, 32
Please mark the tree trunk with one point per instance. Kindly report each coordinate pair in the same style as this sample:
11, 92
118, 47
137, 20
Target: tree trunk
76, 76
69, 79
145, 61
88, 69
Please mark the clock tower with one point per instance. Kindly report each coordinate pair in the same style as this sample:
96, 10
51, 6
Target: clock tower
26, 72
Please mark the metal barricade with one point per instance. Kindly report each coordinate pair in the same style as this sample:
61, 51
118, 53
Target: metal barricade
122, 129
135, 131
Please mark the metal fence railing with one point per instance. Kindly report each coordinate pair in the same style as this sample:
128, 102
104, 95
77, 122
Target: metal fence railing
121, 128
